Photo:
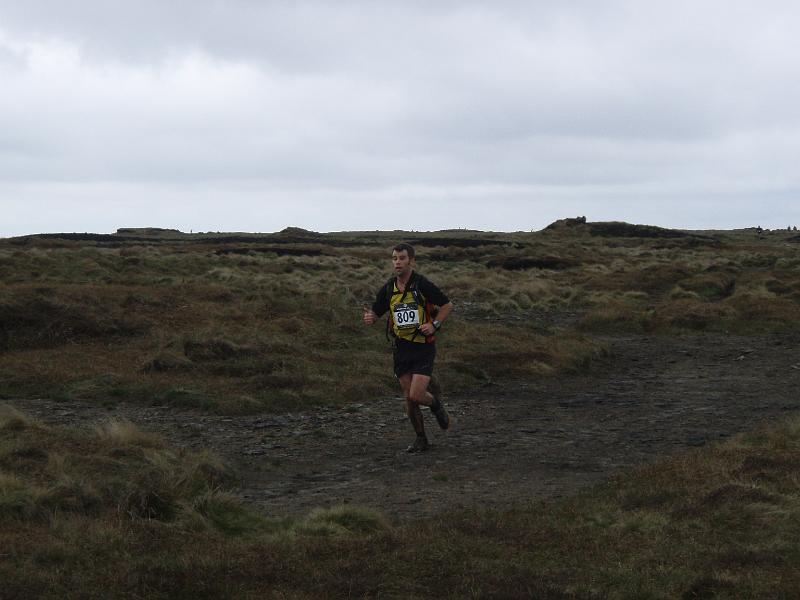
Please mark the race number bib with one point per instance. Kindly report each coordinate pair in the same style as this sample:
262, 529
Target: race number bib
406, 316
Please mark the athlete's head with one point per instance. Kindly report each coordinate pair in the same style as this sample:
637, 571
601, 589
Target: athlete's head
403, 246
402, 259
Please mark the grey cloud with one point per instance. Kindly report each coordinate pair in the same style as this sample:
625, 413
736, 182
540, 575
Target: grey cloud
512, 99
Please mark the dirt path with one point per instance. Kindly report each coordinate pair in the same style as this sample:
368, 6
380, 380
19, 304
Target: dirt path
509, 443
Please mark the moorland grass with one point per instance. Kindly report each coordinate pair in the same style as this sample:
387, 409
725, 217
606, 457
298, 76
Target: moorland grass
118, 513
230, 328
232, 334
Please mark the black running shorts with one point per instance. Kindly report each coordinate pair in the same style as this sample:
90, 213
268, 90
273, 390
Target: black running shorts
414, 358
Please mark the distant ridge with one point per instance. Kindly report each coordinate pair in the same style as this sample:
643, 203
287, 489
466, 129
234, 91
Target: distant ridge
148, 231
463, 238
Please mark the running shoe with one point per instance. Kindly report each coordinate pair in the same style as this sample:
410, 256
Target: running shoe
420, 444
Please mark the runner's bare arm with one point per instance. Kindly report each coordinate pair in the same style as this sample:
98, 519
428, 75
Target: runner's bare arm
444, 311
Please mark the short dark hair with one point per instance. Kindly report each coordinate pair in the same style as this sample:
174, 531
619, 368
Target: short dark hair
402, 246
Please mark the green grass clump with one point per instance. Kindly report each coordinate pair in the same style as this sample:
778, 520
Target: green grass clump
221, 511
343, 520
710, 286
618, 315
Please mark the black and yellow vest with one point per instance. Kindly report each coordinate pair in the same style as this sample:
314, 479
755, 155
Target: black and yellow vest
408, 310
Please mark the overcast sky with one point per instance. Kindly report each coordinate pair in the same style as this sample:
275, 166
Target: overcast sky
247, 115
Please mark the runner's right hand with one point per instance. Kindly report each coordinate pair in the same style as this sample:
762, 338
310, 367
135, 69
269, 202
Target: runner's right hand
369, 316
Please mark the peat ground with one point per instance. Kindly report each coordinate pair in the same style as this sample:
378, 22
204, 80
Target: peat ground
509, 443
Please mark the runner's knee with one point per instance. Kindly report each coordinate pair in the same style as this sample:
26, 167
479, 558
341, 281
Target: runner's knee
416, 397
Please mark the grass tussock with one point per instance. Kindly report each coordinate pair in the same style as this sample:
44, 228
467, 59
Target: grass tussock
615, 316
117, 470
125, 433
343, 520
687, 313
13, 420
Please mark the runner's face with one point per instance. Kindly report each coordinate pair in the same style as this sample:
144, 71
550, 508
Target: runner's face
401, 262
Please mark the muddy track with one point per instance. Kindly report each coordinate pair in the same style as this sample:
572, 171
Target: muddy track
509, 443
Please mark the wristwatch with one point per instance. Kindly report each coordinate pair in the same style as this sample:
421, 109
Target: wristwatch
436, 324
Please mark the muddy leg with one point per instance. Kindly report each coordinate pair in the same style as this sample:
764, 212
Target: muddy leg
415, 416
414, 392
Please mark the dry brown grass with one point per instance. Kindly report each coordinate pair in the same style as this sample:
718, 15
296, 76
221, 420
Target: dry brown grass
692, 314
181, 323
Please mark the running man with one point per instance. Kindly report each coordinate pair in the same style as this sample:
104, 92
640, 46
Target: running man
410, 299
